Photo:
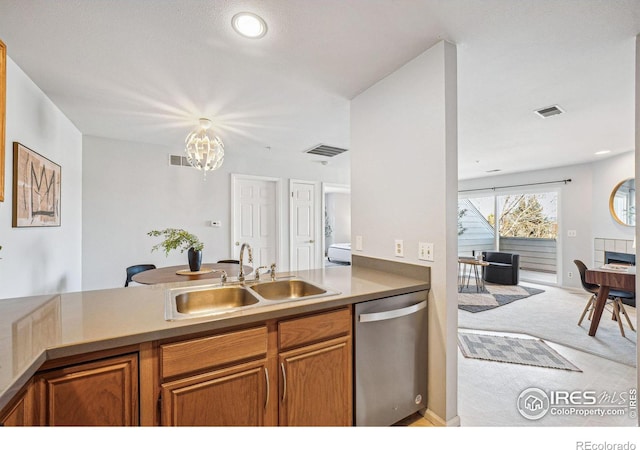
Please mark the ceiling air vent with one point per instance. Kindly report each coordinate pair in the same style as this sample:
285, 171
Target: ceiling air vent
326, 150
549, 111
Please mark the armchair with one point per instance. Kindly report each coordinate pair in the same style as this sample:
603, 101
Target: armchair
503, 268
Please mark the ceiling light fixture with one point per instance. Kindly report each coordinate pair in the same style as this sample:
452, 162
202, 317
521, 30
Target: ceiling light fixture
249, 25
205, 151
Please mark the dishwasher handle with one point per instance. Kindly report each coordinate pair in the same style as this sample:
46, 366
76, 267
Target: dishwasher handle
392, 314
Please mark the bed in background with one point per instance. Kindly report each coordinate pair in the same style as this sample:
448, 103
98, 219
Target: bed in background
339, 253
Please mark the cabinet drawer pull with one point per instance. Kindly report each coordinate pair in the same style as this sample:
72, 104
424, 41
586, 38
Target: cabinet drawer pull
266, 377
284, 382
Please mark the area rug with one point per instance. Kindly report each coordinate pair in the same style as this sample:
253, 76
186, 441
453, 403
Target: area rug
493, 296
530, 352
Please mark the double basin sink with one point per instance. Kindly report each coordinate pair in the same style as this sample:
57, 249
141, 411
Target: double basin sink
201, 301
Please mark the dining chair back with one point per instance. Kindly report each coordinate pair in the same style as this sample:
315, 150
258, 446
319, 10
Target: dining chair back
615, 299
133, 270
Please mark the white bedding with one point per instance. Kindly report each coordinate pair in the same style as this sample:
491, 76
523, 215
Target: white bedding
339, 252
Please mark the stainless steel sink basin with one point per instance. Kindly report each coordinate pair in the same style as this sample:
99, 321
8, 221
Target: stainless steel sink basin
187, 302
209, 300
289, 290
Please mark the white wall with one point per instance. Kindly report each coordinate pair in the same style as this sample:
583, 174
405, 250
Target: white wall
129, 189
606, 175
404, 183
40, 260
584, 205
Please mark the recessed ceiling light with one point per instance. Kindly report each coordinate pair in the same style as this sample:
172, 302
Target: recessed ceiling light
249, 25
603, 152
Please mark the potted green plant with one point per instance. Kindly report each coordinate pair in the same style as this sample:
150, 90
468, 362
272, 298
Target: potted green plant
178, 239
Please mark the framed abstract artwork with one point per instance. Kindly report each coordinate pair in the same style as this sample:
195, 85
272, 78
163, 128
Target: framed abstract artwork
3, 111
36, 189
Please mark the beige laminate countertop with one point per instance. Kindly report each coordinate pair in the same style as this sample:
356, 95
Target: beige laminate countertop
40, 328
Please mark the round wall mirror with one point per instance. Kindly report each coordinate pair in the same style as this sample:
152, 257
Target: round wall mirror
622, 202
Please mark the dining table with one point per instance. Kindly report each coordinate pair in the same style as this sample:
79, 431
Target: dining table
623, 279
182, 273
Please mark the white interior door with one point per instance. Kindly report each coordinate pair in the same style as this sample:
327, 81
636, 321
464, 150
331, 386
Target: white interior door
304, 225
256, 218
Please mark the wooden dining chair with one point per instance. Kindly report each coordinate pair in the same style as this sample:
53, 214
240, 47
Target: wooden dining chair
133, 270
614, 300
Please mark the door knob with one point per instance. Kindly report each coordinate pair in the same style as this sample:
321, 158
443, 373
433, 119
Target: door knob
311, 241
237, 243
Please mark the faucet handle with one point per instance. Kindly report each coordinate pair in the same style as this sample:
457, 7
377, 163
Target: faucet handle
273, 271
223, 277
257, 276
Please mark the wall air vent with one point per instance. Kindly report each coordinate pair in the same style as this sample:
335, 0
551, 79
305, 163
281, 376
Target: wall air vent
178, 160
549, 111
326, 150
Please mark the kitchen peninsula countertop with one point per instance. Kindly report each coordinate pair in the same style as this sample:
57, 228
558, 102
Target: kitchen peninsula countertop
40, 328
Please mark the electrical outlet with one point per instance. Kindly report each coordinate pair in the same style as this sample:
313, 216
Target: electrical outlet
571, 233
399, 249
359, 243
215, 223
425, 251
570, 274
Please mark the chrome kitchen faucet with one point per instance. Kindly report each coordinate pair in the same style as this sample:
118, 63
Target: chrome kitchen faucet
248, 247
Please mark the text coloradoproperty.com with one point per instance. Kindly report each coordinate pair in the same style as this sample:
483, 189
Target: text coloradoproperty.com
576, 411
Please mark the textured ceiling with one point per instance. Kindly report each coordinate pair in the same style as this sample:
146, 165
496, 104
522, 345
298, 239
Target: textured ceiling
145, 71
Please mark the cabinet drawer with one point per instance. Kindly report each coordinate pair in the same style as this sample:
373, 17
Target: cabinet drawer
205, 353
315, 328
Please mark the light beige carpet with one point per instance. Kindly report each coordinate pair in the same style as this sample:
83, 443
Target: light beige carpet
553, 316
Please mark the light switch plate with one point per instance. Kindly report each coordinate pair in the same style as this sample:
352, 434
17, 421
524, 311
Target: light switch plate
358, 242
399, 248
425, 251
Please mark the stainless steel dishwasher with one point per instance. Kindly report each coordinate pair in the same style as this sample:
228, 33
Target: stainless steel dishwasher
390, 359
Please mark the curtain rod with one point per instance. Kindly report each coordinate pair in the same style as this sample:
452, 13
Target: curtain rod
568, 180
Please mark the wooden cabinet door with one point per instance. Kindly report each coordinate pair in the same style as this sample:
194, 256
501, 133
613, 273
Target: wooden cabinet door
236, 396
99, 393
20, 412
315, 385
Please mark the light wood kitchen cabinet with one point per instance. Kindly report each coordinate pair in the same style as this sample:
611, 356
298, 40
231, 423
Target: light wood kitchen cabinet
96, 393
289, 372
220, 380
19, 412
237, 396
292, 371
316, 370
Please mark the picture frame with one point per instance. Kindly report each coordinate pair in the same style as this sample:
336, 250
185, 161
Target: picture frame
3, 112
36, 189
